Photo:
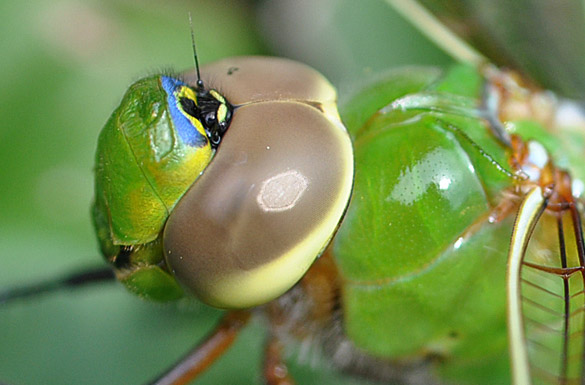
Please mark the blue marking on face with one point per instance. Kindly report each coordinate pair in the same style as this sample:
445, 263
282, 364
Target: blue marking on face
187, 132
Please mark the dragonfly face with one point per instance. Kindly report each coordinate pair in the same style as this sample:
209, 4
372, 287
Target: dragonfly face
211, 221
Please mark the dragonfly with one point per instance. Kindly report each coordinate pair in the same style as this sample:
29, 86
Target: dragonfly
452, 110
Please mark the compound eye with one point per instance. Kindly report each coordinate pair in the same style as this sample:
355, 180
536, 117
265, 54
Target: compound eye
265, 207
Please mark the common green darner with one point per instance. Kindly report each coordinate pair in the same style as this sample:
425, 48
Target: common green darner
89, 52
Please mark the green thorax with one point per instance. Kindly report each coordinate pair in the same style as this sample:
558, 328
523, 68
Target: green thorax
423, 267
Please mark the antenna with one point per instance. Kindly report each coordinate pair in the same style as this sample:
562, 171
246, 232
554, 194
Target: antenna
199, 81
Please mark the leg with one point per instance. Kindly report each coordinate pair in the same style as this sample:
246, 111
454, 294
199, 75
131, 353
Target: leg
71, 281
275, 370
206, 352
304, 312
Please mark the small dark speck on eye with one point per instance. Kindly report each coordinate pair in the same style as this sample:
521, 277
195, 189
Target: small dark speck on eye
453, 334
231, 70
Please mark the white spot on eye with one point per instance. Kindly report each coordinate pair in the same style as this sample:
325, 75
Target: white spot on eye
268, 147
458, 243
282, 191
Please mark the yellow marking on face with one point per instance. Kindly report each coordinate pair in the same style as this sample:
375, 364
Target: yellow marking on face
221, 112
194, 161
186, 92
218, 96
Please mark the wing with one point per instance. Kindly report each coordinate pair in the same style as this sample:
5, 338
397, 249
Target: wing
544, 39
546, 295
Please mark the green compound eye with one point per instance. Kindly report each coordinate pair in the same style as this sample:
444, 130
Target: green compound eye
270, 200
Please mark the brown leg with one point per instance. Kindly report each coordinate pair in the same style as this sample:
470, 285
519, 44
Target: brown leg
206, 352
314, 300
275, 370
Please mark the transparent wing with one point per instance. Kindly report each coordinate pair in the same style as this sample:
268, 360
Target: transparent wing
544, 39
546, 296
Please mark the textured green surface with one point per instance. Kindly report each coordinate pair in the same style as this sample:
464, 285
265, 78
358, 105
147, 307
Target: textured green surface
152, 282
142, 170
142, 167
121, 176
424, 271
384, 88
65, 67
419, 199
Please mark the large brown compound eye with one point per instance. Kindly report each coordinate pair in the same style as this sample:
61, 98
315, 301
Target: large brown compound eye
265, 207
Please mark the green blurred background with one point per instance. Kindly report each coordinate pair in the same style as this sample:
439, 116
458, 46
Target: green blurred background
65, 65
